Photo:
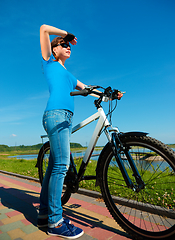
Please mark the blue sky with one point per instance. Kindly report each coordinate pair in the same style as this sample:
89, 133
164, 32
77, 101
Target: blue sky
126, 44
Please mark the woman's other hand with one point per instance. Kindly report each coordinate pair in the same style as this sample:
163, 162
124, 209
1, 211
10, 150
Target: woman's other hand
120, 95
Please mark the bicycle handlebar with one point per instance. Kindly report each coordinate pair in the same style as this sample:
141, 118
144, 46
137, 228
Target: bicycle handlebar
83, 92
108, 92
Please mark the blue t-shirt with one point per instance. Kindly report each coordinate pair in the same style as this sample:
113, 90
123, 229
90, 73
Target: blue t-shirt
61, 83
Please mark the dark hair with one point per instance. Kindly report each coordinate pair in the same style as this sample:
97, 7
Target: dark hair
55, 43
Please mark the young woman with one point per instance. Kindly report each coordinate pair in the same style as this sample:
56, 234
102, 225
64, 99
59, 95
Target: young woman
57, 121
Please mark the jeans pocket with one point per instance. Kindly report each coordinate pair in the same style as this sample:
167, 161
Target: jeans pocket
47, 119
56, 119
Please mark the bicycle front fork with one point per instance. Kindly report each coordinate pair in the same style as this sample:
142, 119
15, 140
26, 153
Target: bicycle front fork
118, 148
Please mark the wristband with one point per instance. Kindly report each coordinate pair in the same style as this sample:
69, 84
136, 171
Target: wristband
69, 37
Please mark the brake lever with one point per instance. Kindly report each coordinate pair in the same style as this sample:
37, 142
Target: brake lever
91, 87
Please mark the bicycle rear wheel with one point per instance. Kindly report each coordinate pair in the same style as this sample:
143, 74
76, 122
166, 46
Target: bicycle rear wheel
149, 213
42, 164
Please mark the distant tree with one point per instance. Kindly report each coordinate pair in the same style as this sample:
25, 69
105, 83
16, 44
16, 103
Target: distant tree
5, 148
75, 145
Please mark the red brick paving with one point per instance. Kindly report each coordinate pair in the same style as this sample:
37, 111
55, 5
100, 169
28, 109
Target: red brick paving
95, 231
12, 214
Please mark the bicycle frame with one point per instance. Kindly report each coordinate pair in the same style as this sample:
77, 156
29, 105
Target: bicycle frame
103, 123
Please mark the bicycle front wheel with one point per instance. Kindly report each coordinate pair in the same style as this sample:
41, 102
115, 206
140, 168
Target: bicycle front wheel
149, 213
42, 164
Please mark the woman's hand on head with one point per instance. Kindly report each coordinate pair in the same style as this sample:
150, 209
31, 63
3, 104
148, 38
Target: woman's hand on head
70, 38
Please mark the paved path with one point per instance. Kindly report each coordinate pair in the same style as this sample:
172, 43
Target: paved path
19, 201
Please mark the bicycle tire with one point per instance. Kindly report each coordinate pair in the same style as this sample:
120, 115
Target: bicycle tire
42, 163
150, 213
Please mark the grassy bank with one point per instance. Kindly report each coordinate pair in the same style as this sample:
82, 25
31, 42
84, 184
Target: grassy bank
19, 166
27, 168
160, 191
22, 166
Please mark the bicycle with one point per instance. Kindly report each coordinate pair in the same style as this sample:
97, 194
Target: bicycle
135, 172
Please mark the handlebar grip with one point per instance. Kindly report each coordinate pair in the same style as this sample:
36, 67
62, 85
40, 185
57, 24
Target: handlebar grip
83, 92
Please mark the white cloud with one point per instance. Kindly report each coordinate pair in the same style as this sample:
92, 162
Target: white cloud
13, 135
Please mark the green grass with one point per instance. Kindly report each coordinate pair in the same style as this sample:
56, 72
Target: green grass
159, 192
159, 189
19, 166
22, 166
90, 170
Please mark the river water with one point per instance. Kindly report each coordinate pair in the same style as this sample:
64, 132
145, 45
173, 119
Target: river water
81, 153
75, 154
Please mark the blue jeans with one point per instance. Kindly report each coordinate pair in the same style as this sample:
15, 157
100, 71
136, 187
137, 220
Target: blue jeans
58, 125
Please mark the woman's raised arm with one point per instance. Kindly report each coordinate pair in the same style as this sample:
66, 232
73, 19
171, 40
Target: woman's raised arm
45, 32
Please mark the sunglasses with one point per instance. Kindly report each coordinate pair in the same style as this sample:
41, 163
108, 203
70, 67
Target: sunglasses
64, 45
